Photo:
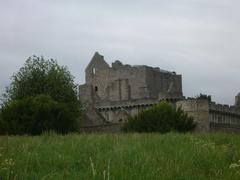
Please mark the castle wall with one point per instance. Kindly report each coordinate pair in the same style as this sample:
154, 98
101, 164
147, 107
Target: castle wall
135, 84
199, 110
119, 115
224, 118
119, 90
167, 82
139, 82
125, 90
116, 112
114, 91
124, 82
237, 102
86, 93
211, 117
100, 81
87, 99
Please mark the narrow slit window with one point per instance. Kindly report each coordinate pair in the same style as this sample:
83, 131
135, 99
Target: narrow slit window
94, 71
96, 89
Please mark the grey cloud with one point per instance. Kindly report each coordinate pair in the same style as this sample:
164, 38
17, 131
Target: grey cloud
196, 38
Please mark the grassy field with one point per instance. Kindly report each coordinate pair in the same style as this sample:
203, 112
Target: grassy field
122, 156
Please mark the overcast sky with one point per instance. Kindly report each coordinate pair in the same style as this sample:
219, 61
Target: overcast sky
196, 38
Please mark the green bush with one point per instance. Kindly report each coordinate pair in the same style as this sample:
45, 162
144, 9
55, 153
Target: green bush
34, 115
160, 118
204, 96
1, 122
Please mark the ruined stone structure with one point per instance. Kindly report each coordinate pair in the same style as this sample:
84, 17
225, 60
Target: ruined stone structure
211, 116
237, 101
113, 93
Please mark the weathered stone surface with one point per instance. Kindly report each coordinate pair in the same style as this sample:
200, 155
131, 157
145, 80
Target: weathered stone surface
199, 110
211, 116
237, 101
135, 86
113, 93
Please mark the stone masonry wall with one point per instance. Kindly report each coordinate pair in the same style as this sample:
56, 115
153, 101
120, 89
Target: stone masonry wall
211, 117
125, 89
125, 82
199, 110
224, 118
159, 81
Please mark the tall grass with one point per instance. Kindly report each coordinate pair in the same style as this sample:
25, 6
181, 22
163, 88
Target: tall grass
120, 156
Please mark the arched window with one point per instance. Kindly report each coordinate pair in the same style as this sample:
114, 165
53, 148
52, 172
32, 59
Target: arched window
96, 89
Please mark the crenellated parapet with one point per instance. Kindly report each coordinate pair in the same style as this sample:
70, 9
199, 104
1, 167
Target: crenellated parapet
223, 109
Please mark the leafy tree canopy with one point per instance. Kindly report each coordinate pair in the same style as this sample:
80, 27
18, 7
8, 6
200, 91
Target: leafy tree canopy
204, 96
42, 96
40, 76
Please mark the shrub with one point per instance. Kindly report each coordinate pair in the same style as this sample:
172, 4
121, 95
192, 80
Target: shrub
160, 118
205, 96
1, 122
34, 115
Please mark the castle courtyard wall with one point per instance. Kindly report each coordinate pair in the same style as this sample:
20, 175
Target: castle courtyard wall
211, 117
224, 118
199, 110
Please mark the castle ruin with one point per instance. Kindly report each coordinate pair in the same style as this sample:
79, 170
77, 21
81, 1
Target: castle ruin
113, 93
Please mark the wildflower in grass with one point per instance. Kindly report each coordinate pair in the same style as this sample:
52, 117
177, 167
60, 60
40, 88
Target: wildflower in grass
224, 147
235, 165
7, 164
209, 146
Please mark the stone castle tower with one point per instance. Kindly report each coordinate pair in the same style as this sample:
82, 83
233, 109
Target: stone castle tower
237, 101
119, 90
121, 82
114, 92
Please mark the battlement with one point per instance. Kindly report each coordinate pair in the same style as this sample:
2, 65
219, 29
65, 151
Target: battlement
119, 65
224, 108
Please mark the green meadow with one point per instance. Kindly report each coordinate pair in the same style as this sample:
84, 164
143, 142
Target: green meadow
120, 156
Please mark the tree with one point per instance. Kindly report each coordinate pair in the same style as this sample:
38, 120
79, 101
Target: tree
40, 76
47, 84
204, 96
160, 118
34, 115
1, 123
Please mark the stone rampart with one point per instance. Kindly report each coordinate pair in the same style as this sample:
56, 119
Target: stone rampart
224, 109
199, 110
